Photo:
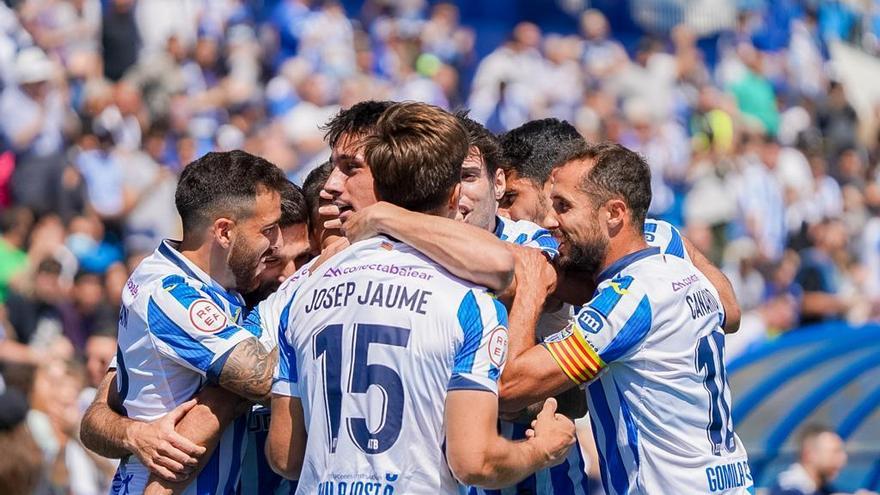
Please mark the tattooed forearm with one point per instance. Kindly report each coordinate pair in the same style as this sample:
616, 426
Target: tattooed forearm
248, 370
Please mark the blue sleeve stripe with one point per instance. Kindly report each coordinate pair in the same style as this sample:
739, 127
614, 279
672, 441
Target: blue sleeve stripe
181, 291
634, 331
650, 227
254, 323
676, 245
121, 378
286, 359
209, 478
285, 317
214, 370
521, 239
501, 312
188, 348
458, 382
608, 298
471, 322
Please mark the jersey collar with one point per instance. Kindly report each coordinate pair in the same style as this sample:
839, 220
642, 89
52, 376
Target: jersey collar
619, 265
168, 249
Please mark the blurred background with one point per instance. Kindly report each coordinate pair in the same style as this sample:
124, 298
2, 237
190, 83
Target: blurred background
760, 121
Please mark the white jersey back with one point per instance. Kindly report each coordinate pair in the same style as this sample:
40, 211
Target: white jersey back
176, 326
650, 342
371, 342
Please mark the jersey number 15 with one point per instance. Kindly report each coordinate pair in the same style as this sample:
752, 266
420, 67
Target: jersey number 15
328, 347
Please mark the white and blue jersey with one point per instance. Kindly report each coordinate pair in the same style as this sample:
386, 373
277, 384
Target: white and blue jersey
176, 328
650, 345
256, 474
566, 478
525, 233
371, 343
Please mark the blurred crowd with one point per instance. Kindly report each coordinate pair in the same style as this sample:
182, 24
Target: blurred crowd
759, 157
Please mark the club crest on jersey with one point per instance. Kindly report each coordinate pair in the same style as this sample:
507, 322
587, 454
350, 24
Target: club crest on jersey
559, 336
498, 346
590, 321
206, 316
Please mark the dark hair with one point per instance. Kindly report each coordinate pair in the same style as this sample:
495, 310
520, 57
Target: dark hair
312, 187
360, 118
483, 140
534, 148
49, 265
617, 172
293, 206
223, 183
415, 155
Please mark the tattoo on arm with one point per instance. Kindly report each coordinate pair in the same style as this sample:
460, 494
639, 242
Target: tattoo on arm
248, 370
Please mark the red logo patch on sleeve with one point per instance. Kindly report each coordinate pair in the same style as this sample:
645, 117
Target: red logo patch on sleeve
206, 316
498, 346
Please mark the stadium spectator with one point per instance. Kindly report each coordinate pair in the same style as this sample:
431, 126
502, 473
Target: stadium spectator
821, 457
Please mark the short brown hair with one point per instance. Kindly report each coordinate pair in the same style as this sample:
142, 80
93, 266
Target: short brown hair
415, 155
617, 172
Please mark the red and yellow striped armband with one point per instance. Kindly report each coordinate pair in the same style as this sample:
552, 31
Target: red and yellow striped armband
574, 355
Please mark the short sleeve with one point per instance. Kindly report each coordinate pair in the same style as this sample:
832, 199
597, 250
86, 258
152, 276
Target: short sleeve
609, 328
190, 328
666, 237
479, 360
266, 320
285, 380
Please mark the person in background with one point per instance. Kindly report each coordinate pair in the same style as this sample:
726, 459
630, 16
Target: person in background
821, 457
21, 464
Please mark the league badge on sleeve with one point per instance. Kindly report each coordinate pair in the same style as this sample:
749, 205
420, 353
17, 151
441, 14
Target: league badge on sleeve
498, 346
206, 316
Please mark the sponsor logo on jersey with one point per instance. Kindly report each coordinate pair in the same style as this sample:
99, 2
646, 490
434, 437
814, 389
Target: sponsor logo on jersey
498, 346
618, 289
132, 288
206, 316
590, 321
401, 271
684, 283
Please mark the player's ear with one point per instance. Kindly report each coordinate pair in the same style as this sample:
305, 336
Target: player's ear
222, 230
617, 214
454, 196
500, 184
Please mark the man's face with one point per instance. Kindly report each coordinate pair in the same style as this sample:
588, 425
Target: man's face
100, 350
351, 182
827, 455
524, 199
576, 223
479, 192
293, 253
255, 239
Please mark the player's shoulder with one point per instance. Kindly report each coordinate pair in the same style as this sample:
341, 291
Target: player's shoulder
667, 237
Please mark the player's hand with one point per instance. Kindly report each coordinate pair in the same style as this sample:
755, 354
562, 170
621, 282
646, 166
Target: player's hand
533, 273
363, 223
552, 434
162, 450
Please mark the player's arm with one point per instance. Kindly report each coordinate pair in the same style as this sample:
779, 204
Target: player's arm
476, 453
157, 445
466, 251
478, 456
608, 329
188, 328
732, 311
286, 444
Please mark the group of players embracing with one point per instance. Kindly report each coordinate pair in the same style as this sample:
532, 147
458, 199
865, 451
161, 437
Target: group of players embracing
424, 316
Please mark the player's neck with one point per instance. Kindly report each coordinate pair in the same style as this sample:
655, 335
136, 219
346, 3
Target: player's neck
622, 245
814, 475
210, 259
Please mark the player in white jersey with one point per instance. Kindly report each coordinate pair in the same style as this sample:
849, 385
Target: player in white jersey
180, 325
378, 334
649, 344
